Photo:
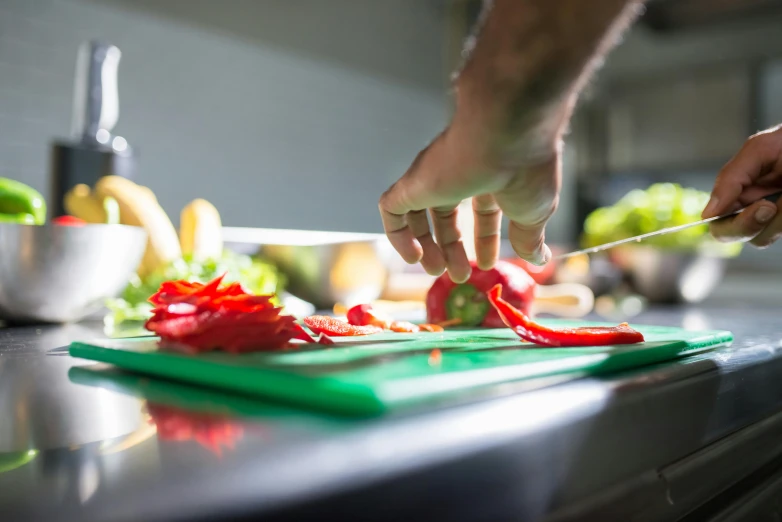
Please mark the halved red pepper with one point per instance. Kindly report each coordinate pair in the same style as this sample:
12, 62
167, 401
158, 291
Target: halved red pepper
322, 324
364, 315
466, 304
530, 331
69, 221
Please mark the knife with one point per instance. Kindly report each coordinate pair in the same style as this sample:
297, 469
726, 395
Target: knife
637, 239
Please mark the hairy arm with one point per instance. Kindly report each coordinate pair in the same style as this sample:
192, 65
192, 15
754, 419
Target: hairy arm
528, 62
514, 97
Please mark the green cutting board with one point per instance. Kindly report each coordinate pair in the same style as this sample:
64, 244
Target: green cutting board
373, 374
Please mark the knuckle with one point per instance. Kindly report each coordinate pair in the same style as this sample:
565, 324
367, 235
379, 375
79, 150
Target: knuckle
487, 212
444, 214
386, 197
764, 143
756, 140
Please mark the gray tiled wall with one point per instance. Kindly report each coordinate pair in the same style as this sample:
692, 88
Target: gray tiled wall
284, 113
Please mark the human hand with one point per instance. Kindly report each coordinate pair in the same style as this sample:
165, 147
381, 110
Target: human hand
515, 94
463, 162
754, 173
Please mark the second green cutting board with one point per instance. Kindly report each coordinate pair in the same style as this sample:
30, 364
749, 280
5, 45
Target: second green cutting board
373, 374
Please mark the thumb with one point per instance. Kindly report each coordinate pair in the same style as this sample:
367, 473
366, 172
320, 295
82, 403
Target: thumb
529, 242
529, 200
756, 158
746, 225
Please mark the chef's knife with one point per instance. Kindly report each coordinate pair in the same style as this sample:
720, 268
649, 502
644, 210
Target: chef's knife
637, 239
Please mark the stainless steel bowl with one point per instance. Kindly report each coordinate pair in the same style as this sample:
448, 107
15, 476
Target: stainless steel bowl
323, 268
670, 277
60, 274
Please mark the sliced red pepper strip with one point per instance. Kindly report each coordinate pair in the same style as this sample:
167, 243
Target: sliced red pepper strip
301, 334
325, 340
560, 337
322, 324
404, 327
430, 328
363, 315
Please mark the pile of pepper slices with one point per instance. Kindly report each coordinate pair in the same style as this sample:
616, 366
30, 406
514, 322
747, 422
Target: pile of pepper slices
195, 317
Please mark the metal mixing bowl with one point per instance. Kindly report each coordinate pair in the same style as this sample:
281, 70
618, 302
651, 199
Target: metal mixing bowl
60, 274
669, 276
322, 267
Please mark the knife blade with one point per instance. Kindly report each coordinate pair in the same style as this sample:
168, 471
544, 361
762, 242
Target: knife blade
637, 239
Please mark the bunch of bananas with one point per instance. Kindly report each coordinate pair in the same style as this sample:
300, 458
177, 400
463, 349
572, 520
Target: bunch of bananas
200, 233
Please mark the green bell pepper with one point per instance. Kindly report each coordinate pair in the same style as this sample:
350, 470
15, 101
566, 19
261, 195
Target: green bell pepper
467, 304
20, 203
21, 218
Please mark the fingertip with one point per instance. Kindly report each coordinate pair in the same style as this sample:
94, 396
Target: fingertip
459, 270
413, 258
406, 245
432, 258
456, 261
433, 270
538, 256
485, 263
541, 257
460, 277
765, 213
547, 255
711, 208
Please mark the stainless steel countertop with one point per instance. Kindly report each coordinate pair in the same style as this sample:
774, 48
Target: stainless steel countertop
662, 440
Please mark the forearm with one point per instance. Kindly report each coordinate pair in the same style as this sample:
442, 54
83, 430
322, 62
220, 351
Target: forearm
531, 59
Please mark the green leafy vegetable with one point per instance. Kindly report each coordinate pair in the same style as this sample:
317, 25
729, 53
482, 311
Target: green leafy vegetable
256, 276
662, 205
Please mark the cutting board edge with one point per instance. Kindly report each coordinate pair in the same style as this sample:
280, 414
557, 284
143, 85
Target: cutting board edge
350, 397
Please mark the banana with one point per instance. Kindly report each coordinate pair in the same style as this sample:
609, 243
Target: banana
79, 202
200, 230
148, 193
82, 203
138, 209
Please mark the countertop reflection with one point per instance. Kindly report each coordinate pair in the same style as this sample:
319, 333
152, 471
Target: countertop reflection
79, 441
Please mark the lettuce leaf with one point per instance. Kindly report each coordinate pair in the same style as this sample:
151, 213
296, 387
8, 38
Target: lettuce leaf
255, 275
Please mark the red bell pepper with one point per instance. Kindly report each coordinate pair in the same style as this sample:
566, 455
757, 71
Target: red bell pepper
69, 221
467, 304
193, 317
322, 324
364, 315
530, 331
